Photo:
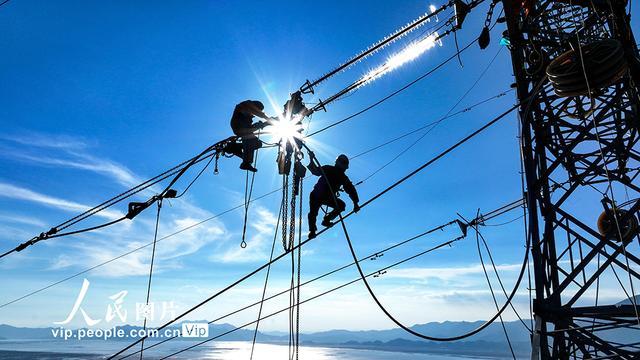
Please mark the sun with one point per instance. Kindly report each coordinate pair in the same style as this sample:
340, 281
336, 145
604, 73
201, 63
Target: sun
285, 130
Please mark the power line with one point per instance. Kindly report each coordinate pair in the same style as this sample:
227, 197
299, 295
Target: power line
374, 273
308, 86
366, 283
469, 108
436, 123
375, 197
177, 172
336, 270
133, 250
181, 168
396, 92
372, 256
493, 295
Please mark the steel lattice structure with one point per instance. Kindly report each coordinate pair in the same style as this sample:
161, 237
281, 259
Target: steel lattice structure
579, 152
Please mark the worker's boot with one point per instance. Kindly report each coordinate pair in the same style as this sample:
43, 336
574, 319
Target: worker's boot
247, 166
312, 231
326, 222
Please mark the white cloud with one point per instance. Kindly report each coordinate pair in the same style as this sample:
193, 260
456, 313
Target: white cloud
20, 219
445, 273
20, 193
80, 161
46, 141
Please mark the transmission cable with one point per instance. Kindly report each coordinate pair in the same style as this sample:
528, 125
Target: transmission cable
374, 273
181, 168
493, 295
153, 256
228, 210
370, 290
372, 256
495, 271
436, 123
266, 281
177, 171
308, 86
375, 197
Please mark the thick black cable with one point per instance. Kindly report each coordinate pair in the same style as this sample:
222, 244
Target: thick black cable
493, 295
126, 194
375, 197
371, 256
374, 273
153, 256
264, 288
38, 239
177, 170
495, 271
215, 216
370, 290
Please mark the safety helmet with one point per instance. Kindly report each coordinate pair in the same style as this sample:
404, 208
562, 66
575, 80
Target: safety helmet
342, 161
257, 104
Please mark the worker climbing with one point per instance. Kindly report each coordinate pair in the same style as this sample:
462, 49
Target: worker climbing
332, 180
243, 126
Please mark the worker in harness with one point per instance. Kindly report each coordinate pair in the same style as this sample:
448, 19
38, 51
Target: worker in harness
243, 126
332, 180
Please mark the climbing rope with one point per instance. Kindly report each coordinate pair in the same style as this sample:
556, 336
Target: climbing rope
371, 256
375, 197
266, 281
248, 192
153, 256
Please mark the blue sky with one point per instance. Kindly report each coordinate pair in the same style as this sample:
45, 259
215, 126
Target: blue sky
98, 96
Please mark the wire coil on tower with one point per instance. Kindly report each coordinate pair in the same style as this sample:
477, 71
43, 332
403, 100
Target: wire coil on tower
602, 60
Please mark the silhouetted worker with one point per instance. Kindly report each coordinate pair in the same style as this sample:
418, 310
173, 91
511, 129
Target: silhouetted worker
243, 126
332, 178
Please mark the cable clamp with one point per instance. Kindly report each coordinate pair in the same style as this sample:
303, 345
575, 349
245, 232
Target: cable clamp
136, 208
320, 106
380, 273
307, 88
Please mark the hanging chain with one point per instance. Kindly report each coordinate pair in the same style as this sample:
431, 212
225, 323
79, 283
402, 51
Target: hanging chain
297, 342
292, 222
285, 203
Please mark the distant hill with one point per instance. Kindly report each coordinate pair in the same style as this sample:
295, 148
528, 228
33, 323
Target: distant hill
489, 342
629, 302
